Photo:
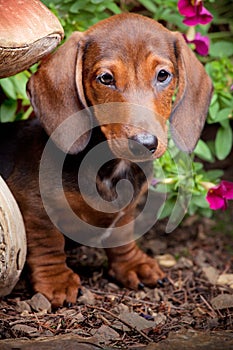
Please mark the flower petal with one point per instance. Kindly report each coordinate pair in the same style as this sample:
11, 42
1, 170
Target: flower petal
186, 8
228, 189
204, 15
216, 202
191, 21
194, 15
154, 181
202, 44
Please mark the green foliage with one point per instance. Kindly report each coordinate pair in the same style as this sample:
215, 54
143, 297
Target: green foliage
219, 66
73, 15
178, 175
171, 169
15, 104
165, 11
220, 111
81, 14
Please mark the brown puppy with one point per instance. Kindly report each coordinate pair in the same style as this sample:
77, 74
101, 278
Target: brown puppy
128, 68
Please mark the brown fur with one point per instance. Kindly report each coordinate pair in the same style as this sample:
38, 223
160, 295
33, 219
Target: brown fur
132, 48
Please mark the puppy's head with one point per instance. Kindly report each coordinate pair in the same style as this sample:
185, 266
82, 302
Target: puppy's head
127, 69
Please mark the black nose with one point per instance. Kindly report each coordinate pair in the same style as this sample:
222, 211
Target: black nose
138, 143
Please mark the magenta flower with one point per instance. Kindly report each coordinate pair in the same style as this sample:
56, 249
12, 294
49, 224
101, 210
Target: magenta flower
154, 182
194, 12
202, 44
217, 196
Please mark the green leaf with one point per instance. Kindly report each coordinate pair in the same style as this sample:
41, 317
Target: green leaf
75, 7
166, 210
206, 212
224, 114
192, 209
214, 99
8, 110
8, 88
26, 114
213, 175
203, 151
149, 5
226, 99
221, 49
197, 166
20, 82
200, 201
213, 110
96, 1
114, 8
223, 142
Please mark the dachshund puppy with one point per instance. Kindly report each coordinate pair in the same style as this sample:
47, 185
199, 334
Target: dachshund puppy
128, 75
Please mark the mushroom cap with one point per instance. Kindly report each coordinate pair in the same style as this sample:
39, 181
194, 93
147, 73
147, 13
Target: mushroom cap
28, 31
13, 246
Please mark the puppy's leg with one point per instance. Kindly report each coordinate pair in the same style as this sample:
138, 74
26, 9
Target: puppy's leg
130, 265
47, 262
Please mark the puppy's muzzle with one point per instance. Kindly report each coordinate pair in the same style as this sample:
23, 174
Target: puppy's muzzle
140, 144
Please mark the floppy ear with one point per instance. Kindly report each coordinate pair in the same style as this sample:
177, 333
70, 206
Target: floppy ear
56, 93
192, 100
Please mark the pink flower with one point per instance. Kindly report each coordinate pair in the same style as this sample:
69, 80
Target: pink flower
217, 196
154, 182
201, 43
194, 12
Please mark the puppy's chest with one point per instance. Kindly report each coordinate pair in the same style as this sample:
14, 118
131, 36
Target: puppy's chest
120, 179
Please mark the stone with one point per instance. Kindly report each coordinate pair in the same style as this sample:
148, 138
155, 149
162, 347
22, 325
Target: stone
87, 297
22, 306
222, 301
39, 303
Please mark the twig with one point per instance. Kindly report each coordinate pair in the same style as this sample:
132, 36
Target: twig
208, 305
123, 296
119, 319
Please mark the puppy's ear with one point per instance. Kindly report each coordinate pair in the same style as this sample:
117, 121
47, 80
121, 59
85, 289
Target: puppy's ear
193, 97
57, 95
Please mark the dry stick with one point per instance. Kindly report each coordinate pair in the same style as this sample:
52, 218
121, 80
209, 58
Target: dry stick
122, 296
119, 319
207, 304
134, 299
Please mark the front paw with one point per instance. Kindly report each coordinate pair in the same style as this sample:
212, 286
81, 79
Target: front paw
139, 272
60, 288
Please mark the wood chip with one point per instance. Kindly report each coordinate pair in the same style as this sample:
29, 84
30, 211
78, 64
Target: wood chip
222, 301
23, 329
166, 260
134, 320
87, 297
105, 334
39, 303
225, 279
211, 274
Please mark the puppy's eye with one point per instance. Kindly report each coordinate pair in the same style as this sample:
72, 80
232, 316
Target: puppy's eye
163, 76
106, 79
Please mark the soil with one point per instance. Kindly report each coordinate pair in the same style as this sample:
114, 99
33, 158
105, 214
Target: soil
192, 310
194, 300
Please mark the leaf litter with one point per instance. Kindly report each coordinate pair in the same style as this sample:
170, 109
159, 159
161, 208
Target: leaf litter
198, 296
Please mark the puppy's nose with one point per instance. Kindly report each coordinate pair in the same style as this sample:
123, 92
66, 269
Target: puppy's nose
138, 142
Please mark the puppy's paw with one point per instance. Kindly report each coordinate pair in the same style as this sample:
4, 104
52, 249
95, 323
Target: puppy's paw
137, 273
60, 289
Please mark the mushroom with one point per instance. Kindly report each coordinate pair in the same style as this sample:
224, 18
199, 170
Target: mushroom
12, 241
28, 31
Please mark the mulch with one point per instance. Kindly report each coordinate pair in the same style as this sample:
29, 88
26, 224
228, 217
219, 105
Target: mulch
199, 251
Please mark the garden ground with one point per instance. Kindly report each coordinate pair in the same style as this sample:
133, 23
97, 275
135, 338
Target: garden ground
193, 310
